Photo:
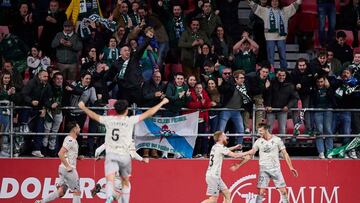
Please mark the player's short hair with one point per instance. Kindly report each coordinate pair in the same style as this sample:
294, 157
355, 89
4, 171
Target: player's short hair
264, 125
121, 106
217, 135
71, 125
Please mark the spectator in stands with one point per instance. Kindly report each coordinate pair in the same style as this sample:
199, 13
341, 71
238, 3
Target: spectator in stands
326, 8
67, 45
234, 96
14, 49
258, 84
178, 93
319, 65
355, 65
222, 44
153, 91
134, 14
50, 26
189, 43
24, 25
208, 19
98, 37
281, 94
82, 91
54, 117
191, 82
15, 75
161, 35
125, 71
36, 61
334, 63
201, 102
276, 20
149, 60
121, 16
97, 69
37, 94
209, 73
215, 97
228, 12
345, 98
257, 27
349, 19
7, 91
323, 97
111, 52
342, 51
204, 56
303, 80
245, 52
175, 24
121, 36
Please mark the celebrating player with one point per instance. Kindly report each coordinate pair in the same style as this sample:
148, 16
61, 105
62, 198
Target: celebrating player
118, 140
213, 174
269, 147
117, 183
68, 175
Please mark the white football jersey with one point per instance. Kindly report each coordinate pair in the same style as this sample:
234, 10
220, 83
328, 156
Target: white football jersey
269, 152
72, 147
119, 130
218, 151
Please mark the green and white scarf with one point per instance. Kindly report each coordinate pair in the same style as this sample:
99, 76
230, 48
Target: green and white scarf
276, 22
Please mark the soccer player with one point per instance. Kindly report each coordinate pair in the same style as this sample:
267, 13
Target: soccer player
118, 140
213, 174
68, 175
117, 184
269, 147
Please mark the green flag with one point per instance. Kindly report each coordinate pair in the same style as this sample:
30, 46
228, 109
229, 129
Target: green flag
340, 151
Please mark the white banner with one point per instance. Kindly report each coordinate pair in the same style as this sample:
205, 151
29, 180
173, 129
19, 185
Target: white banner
168, 134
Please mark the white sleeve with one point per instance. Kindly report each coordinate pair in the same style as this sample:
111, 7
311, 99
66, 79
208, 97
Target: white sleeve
68, 143
103, 120
225, 150
135, 155
280, 144
256, 145
99, 150
134, 119
32, 62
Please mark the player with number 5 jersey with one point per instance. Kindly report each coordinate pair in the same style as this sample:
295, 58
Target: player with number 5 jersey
118, 140
213, 174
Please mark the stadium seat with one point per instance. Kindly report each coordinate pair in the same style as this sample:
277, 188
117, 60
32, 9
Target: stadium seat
4, 29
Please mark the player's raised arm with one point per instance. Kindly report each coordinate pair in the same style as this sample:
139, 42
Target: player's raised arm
89, 112
150, 112
289, 163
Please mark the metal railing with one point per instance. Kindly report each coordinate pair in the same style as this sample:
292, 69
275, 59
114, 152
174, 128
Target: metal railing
134, 109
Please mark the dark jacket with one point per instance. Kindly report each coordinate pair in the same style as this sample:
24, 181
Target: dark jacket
316, 68
227, 89
176, 103
34, 90
132, 78
149, 90
306, 80
281, 94
256, 84
315, 98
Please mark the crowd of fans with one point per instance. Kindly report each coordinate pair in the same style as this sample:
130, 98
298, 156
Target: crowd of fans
191, 52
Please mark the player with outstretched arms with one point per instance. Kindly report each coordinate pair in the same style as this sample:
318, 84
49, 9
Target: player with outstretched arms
213, 174
117, 183
269, 147
118, 140
68, 175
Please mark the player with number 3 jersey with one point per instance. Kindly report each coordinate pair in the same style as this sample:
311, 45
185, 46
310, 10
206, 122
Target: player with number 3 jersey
213, 174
